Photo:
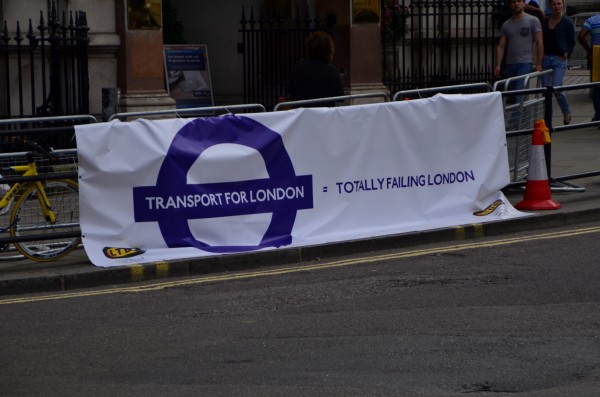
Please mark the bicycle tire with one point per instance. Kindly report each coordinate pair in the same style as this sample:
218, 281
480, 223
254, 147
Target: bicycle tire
27, 218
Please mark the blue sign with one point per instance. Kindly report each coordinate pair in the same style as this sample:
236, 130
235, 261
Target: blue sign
188, 75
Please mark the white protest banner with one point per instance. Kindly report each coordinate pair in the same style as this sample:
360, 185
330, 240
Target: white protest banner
183, 188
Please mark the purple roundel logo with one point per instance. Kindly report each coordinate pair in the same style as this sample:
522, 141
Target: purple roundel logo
172, 202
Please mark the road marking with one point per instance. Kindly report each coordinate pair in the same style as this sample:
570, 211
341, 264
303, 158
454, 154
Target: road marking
459, 233
162, 269
137, 273
301, 268
478, 230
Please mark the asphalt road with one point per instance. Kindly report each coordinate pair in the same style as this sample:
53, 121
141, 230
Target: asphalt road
514, 315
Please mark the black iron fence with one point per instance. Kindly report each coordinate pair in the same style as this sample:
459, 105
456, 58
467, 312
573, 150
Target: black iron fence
45, 70
271, 47
428, 43
425, 43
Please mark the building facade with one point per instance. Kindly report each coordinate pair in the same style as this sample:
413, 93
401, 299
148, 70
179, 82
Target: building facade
129, 57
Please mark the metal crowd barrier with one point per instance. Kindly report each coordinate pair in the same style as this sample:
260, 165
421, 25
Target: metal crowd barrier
75, 117
14, 158
556, 183
336, 99
66, 169
485, 87
204, 111
521, 110
526, 78
534, 104
529, 109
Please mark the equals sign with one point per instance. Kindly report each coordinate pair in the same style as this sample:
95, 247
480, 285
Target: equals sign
324, 189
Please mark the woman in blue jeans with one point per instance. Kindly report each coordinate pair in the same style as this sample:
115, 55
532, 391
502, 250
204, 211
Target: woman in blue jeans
559, 41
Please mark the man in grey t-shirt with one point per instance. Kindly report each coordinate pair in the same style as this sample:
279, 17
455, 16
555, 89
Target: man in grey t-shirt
517, 36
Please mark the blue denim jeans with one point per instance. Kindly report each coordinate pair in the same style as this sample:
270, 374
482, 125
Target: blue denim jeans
518, 69
514, 70
559, 67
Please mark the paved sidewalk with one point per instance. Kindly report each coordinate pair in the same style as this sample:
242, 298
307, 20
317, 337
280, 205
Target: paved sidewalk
573, 152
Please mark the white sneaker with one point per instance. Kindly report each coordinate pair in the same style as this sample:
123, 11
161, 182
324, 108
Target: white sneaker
4, 188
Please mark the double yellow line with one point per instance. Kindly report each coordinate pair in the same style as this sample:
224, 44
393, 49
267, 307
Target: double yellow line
301, 268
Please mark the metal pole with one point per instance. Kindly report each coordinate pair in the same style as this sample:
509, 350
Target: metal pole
55, 72
549, 94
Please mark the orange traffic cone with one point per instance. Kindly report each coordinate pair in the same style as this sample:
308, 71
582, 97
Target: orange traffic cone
537, 190
545, 131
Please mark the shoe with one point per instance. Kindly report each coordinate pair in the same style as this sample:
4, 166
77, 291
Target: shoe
567, 118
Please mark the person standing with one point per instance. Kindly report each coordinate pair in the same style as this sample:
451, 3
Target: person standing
559, 41
592, 27
517, 36
315, 77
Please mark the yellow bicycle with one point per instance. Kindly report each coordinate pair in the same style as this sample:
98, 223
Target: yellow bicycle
44, 218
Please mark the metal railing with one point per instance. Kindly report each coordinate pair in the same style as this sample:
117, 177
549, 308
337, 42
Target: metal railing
460, 88
330, 100
203, 111
52, 131
557, 183
13, 152
521, 110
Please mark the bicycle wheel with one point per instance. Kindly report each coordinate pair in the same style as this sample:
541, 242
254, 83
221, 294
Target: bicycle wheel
27, 219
